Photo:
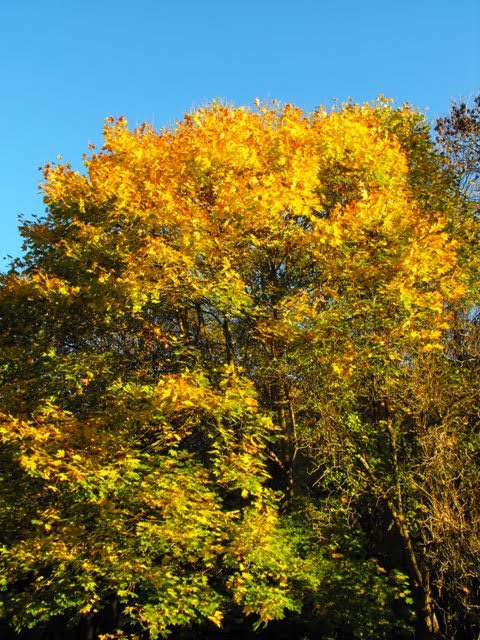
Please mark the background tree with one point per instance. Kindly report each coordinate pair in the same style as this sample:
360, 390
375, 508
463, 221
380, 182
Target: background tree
458, 135
214, 379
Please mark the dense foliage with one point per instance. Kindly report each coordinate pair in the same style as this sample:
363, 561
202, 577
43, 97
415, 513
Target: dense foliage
239, 383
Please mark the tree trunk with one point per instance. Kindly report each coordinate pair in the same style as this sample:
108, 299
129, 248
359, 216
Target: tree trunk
427, 627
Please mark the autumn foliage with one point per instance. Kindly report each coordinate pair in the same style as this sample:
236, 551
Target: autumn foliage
229, 357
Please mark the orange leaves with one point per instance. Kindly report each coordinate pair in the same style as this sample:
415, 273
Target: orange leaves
204, 214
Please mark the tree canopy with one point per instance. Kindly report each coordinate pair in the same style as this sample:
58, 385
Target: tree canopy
239, 382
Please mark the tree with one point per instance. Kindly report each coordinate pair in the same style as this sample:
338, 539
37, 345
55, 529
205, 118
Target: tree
213, 351
458, 135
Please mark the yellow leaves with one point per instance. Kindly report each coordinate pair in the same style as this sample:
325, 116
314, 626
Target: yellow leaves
216, 618
64, 187
87, 608
46, 286
28, 463
225, 175
185, 392
336, 234
239, 276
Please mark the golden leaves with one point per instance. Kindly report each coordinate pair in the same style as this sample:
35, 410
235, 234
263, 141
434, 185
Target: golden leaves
195, 213
202, 296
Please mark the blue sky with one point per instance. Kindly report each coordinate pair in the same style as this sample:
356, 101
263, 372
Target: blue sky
68, 64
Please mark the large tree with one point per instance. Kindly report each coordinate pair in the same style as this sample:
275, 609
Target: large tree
226, 359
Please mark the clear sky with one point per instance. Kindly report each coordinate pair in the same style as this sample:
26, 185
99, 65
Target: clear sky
68, 64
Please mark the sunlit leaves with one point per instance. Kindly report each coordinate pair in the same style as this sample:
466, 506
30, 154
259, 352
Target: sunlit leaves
196, 315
